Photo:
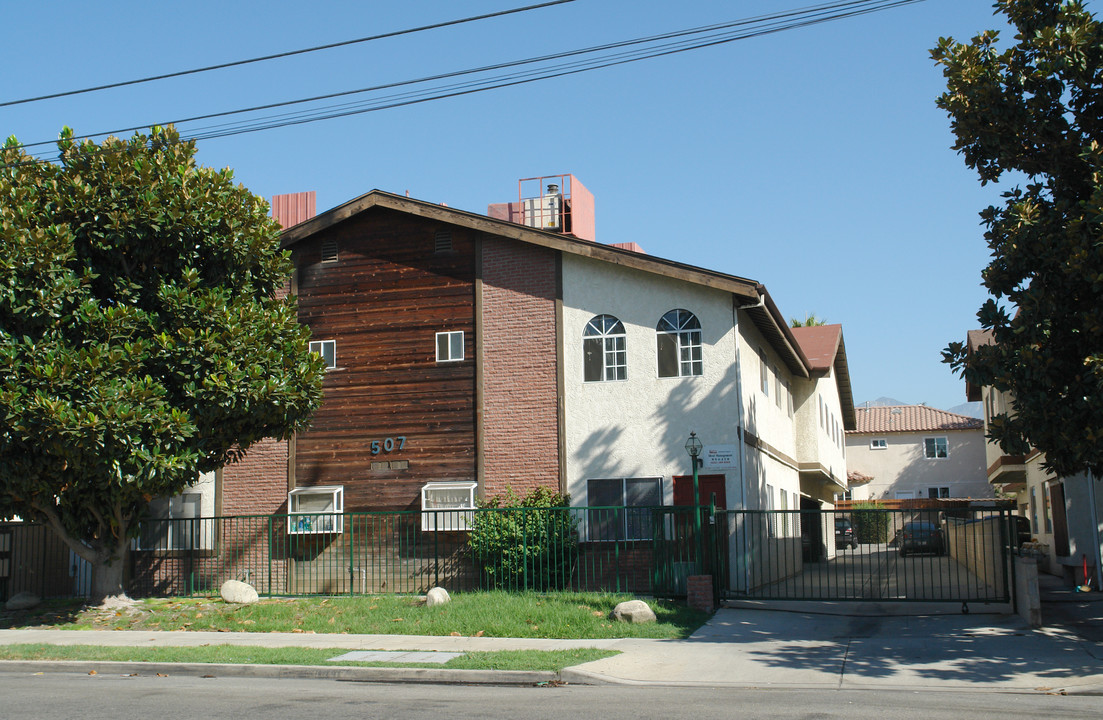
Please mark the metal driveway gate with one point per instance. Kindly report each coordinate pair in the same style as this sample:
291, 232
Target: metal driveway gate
953, 555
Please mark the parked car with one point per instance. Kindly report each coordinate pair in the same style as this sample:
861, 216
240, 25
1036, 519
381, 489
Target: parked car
920, 536
844, 534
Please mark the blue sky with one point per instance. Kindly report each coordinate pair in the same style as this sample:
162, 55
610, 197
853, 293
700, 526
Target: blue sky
812, 160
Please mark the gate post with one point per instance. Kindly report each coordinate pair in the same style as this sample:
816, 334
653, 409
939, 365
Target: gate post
700, 591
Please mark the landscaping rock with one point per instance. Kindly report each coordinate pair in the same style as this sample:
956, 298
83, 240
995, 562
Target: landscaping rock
634, 611
235, 591
22, 601
437, 596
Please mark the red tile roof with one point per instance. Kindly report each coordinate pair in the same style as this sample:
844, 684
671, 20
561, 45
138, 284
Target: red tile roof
910, 418
820, 343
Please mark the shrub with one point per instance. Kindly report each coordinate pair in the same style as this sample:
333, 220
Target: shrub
528, 543
870, 521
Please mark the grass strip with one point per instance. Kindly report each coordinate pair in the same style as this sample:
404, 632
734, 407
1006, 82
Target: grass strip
489, 614
549, 660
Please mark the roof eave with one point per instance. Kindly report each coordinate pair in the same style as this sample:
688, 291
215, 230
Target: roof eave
740, 287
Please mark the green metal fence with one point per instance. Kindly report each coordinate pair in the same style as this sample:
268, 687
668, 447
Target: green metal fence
616, 549
33, 559
955, 555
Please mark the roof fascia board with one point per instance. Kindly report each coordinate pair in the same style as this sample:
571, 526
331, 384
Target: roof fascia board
742, 287
778, 320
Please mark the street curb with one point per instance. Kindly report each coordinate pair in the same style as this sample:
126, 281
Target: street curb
306, 672
516, 678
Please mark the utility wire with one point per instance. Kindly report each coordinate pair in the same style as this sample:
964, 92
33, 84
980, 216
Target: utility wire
289, 53
683, 41
413, 98
804, 12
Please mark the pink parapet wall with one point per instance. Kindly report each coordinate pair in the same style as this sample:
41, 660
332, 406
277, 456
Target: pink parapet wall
293, 208
578, 208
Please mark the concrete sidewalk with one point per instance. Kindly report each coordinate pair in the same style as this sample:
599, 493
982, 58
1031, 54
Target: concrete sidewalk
797, 645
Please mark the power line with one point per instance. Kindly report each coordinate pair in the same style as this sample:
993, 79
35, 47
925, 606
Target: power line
497, 83
289, 53
681, 41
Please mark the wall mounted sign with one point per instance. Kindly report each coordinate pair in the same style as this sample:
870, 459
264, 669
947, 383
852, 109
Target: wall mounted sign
720, 456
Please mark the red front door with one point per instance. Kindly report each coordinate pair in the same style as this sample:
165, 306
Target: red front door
706, 486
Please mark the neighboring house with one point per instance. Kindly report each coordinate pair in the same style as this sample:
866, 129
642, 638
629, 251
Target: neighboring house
902, 452
1059, 509
470, 355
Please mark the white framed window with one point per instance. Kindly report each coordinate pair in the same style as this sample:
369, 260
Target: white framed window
935, 493
450, 346
763, 372
443, 503
771, 516
936, 448
1033, 510
619, 507
604, 350
788, 397
843, 496
678, 344
778, 396
878, 444
316, 510
1047, 512
327, 349
784, 514
174, 524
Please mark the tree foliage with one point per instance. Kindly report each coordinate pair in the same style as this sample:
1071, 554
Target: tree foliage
809, 321
1035, 110
141, 337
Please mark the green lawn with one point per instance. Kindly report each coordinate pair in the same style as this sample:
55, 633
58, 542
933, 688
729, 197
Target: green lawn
489, 614
550, 660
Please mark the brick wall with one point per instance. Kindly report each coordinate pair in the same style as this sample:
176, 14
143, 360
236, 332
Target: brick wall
256, 484
520, 420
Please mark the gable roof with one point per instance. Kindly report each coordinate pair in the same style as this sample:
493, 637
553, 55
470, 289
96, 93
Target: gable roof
911, 418
823, 346
750, 295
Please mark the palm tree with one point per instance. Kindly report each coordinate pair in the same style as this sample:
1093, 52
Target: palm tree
810, 321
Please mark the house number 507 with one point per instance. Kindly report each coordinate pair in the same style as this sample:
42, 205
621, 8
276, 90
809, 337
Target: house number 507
388, 444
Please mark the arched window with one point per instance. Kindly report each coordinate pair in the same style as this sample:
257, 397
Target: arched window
603, 350
679, 344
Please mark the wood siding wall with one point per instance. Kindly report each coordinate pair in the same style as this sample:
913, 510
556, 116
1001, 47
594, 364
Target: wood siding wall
383, 301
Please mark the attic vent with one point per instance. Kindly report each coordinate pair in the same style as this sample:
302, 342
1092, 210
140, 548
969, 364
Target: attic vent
443, 242
329, 251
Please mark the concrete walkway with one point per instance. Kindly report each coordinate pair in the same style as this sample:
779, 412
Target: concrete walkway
796, 645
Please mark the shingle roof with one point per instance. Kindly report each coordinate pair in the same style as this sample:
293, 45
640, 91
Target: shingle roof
825, 350
819, 343
910, 418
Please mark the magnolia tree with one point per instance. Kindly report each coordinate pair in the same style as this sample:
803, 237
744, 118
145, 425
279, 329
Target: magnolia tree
1035, 110
142, 338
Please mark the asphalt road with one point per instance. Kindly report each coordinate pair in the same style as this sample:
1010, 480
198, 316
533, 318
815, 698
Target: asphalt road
109, 697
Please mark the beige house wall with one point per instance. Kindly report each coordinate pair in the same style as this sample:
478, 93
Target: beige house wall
901, 467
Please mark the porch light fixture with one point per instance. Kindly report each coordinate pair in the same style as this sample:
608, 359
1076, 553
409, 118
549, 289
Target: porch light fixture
693, 447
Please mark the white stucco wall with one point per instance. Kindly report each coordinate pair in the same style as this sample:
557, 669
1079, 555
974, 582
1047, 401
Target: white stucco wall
638, 427
768, 421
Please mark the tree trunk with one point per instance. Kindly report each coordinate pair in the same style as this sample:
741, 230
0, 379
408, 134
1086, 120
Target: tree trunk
108, 576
